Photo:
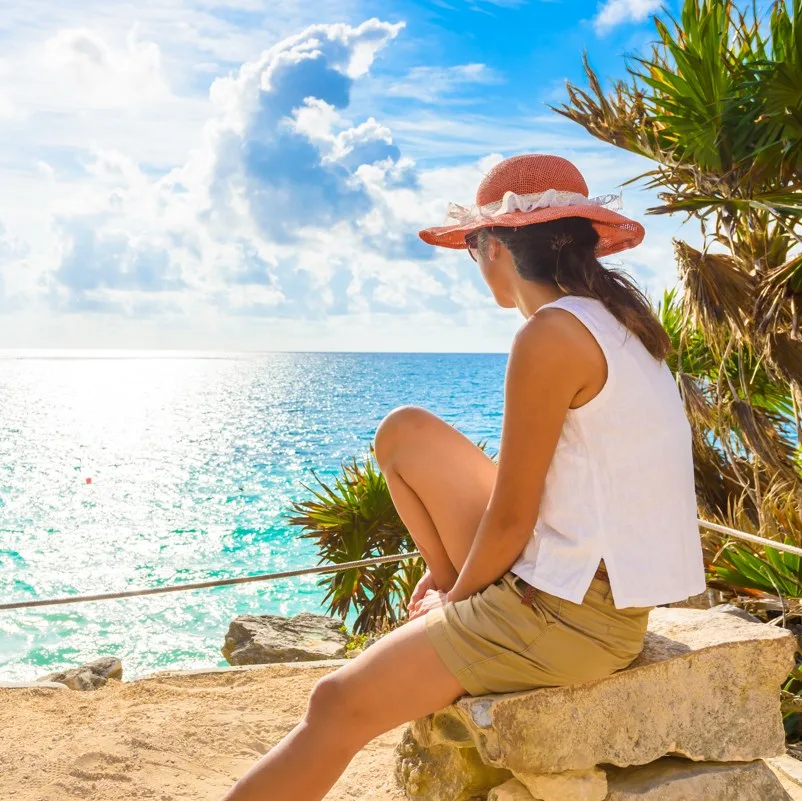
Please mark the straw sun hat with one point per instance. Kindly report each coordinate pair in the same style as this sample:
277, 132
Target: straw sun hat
535, 188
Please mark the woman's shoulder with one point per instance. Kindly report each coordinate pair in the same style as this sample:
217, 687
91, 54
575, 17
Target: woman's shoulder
567, 337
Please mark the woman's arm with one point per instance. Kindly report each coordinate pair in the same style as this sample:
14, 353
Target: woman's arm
553, 359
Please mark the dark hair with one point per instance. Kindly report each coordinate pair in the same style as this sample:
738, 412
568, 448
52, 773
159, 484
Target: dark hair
562, 253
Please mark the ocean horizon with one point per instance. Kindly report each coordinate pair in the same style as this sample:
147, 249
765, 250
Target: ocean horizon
194, 458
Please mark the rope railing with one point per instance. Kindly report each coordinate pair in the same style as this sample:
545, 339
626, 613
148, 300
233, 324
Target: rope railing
74, 599
106, 596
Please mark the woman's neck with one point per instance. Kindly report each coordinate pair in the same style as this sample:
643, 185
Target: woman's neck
531, 295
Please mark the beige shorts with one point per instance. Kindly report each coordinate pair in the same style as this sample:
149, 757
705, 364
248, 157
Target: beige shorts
493, 643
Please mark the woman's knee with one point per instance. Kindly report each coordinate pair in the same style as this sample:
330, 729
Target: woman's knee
331, 703
398, 428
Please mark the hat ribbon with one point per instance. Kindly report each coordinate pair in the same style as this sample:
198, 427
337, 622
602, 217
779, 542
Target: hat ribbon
512, 202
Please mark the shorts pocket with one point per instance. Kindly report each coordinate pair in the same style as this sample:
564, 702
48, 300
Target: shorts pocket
533, 643
498, 616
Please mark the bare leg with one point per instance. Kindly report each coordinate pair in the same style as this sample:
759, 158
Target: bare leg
440, 483
398, 679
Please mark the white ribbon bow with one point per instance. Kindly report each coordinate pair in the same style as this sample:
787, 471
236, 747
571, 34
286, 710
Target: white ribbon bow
511, 202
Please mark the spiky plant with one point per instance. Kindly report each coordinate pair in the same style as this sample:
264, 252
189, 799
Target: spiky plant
355, 519
718, 109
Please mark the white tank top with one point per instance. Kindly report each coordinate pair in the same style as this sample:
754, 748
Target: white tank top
620, 486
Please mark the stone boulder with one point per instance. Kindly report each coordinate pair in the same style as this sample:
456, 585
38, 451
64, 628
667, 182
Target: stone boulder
571, 785
682, 780
262, 639
670, 779
90, 676
705, 687
690, 720
443, 773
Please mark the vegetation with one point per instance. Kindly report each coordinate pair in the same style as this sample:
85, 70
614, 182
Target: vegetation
356, 519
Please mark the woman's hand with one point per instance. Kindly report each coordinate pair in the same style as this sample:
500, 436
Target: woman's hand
426, 583
433, 599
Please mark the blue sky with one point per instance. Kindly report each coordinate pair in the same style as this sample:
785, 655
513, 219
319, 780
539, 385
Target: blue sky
249, 175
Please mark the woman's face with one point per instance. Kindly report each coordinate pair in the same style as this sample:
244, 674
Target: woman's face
496, 265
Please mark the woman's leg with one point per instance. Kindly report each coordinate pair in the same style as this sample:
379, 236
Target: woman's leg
398, 679
440, 483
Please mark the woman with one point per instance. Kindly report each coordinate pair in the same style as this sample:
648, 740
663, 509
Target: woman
542, 570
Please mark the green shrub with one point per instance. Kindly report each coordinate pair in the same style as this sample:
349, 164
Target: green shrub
354, 519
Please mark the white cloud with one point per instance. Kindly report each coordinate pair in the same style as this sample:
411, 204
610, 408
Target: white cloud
79, 64
274, 214
615, 12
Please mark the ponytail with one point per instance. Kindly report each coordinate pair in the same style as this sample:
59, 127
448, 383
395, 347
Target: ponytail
561, 252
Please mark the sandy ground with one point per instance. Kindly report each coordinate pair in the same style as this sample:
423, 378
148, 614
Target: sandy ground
180, 737
170, 738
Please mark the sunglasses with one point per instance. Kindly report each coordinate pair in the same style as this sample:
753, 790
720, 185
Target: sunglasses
472, 244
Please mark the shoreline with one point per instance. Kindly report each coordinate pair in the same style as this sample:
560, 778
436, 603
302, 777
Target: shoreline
161, 674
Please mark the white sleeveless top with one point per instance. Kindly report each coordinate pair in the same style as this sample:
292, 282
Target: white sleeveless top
620, 486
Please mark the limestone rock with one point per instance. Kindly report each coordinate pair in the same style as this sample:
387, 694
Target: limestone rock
443, 772
672, 779
574, 785
513, 790
706, 687
89, 676
261, 639
732, 609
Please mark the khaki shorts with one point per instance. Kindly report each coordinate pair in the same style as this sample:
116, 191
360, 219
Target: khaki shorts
493, 643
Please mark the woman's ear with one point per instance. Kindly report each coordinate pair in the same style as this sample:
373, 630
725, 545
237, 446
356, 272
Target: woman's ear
493, 248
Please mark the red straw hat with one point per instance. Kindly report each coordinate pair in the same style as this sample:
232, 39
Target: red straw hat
535, 188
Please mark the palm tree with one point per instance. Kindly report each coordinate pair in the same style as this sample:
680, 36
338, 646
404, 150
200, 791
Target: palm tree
718, 108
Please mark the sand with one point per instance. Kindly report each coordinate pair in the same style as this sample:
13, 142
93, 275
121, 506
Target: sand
170, 738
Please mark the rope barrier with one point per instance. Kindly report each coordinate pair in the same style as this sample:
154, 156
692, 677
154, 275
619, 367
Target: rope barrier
74, 599
742, 535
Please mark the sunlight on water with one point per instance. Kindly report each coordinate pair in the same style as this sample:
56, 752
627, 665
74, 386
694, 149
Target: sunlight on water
193, 461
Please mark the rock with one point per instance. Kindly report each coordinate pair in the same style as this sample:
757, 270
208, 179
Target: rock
705, 600
261, 639
89, 676
732, 609
672, 779
575, 785
443, 773
706, 687
513, 790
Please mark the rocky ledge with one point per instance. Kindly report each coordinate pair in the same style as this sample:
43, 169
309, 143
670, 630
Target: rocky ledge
90, 676
690, 720
262, 639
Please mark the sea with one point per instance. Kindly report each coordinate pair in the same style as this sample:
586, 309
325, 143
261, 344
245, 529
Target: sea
129, 470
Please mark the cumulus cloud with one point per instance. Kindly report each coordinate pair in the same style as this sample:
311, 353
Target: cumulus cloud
288, 208
616, 12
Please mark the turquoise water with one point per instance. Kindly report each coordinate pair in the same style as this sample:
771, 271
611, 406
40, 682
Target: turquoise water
193, 462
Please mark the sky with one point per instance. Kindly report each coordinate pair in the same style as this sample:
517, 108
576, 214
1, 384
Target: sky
251, 175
